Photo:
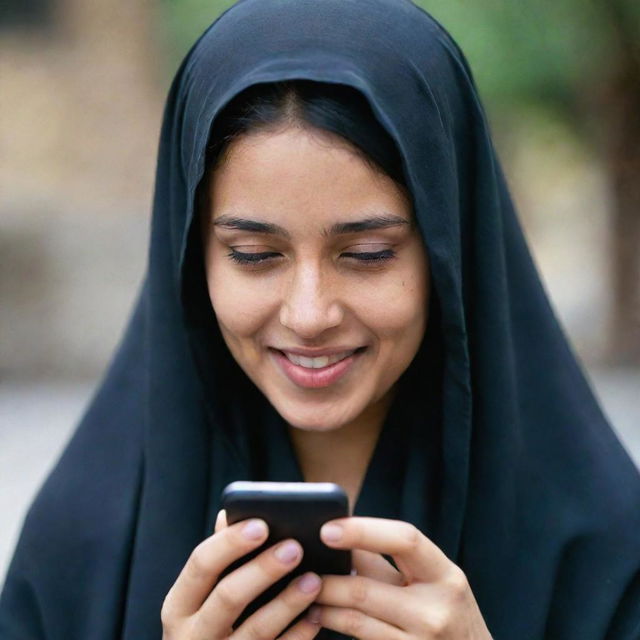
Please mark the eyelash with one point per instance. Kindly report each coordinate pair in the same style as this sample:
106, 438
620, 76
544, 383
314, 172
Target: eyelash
251, 258
371, 256
366, 257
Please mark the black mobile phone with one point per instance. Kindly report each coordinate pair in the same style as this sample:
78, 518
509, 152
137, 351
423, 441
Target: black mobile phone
291, 510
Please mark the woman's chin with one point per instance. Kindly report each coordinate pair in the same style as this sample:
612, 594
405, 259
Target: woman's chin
314, 420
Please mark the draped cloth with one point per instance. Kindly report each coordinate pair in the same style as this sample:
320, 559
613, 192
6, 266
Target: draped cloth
495, 447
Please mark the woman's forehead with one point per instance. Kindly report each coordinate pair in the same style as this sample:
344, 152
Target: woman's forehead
277, 176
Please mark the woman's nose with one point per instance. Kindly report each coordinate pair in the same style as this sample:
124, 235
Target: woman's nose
310, 305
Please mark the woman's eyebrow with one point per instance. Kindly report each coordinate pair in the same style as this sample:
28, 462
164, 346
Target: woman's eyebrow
254, 226
356, 226
368, 224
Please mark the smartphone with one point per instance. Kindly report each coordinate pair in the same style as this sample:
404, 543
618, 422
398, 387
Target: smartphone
291, 510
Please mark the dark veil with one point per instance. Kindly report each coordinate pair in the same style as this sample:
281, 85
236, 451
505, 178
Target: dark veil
506, 461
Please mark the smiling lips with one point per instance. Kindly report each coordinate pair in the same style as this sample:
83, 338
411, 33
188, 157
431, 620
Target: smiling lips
318, 362
314, 372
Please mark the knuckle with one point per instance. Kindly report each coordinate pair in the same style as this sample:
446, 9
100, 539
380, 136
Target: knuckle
198, 565
438, 624
167, 612
411, 537
201, 630
166, 615
227, 596
304, 630
270, 571
353, 622
359, 591
434, 629
292, 597
255, 631
457, 583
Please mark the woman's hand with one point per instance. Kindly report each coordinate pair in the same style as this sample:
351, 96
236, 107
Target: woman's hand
428, 598
198, 607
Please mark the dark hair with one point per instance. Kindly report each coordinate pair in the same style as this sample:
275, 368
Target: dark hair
335, 108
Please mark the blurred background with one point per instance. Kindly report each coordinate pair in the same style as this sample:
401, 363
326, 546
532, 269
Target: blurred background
82, 86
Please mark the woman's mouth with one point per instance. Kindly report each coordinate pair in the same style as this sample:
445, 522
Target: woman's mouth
318, 362
315, 371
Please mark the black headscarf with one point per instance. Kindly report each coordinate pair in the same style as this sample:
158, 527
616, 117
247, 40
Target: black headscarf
503, 458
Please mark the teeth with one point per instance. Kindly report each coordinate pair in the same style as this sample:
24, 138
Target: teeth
316, 363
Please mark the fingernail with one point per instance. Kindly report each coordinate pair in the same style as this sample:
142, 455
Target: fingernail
314, 615
288, 552
331, 532
309, 583
254, 530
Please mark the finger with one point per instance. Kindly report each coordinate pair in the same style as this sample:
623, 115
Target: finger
303, 630
206, 563
373, 565
416, 556
237, 589
221, 521
376, 599
354, 623
272, 618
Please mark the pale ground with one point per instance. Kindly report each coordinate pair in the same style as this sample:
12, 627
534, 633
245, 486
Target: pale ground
36, 420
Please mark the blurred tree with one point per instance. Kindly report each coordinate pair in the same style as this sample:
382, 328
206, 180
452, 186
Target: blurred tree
183, 21
580, 60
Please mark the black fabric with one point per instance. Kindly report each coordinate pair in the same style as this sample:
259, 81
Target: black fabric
502, 456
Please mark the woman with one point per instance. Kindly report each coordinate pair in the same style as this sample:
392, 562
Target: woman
287, 233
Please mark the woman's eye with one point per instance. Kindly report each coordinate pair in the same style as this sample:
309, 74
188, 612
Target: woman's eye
261, 258
254, 258
370, 257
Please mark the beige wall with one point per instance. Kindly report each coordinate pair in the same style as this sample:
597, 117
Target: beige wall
81, 105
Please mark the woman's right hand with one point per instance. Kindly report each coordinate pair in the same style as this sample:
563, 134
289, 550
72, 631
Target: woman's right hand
198, 607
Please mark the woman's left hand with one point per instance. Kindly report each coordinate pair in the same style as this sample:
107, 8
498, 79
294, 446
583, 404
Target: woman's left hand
429, 597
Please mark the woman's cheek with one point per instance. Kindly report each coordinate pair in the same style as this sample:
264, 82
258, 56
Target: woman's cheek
240, 304
394, 305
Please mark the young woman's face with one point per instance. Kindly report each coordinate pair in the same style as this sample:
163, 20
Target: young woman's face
316, 273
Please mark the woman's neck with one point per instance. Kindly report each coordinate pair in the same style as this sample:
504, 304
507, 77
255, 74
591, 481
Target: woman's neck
341, 455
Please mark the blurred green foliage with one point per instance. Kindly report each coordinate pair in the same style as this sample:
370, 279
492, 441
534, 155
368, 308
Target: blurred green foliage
182, 21
521, 51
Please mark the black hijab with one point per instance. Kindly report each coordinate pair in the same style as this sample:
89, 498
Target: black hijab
503, 458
